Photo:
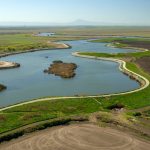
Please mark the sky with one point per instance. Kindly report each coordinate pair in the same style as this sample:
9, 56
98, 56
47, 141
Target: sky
125, 12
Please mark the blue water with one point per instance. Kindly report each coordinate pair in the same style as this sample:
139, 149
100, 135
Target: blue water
46, 34
93, 77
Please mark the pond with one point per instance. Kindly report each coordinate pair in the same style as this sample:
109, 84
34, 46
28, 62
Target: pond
46, 34
93, 77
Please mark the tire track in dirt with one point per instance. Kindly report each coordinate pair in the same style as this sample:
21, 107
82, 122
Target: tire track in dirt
77, 137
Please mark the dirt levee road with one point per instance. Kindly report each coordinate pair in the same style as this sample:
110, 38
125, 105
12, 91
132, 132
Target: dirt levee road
77, 137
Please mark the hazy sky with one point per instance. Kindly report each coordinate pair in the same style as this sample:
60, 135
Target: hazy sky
134, 12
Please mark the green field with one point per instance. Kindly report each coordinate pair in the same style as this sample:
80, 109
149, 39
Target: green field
21, 42
40, 111
83, 30
118, 55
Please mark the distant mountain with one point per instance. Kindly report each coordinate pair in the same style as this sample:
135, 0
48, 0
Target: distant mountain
84, 22
79, 22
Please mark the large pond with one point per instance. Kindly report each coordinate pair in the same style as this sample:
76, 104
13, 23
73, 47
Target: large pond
93, 77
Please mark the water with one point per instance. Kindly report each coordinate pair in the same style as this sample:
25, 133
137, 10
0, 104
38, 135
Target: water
93, 77
46, 34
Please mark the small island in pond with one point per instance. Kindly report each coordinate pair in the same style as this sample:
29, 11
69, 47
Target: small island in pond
64, 70
2, 87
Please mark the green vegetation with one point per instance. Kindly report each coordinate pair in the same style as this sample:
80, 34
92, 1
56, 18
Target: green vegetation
116, 106
117, 55
40, 111
10, 43
120, 39
136, 114
147, 113
82, 31
20, 42
39, 126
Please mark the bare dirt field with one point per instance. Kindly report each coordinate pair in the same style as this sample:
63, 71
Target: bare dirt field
144, 62
77, 137
139, 44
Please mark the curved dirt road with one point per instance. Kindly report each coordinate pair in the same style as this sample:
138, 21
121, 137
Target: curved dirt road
77, 137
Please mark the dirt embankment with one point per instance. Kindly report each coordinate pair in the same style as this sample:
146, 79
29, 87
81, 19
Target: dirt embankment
144, 63
64, 70
2, 87
8, 65
59, 45
77, 137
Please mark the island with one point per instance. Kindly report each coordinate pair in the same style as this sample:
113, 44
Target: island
2, 87
8, 65
64, 70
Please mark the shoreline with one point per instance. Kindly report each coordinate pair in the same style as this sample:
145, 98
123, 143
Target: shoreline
63, 46
8, 65
144, 83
